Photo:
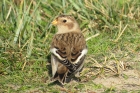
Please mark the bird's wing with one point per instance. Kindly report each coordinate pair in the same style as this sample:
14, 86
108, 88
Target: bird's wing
54, 64
59, 71
69, 49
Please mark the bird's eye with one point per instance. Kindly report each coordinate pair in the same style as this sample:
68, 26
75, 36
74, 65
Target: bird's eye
64, 21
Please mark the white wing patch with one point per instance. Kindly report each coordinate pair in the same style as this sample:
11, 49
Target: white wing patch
84, 52
53, 50
54, 64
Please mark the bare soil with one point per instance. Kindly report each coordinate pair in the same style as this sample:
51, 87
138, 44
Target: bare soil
128, 69
129, 82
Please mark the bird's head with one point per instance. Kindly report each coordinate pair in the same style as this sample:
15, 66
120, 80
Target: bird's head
66, 23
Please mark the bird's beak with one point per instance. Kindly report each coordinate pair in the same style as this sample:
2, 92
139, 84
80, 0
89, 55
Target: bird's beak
55, 22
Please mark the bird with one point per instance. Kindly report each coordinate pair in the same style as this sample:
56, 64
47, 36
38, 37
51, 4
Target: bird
68, 49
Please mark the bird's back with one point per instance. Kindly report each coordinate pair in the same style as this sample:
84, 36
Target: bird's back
69, 45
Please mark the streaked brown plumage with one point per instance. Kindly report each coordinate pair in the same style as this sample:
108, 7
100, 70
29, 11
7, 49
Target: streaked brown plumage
68, 49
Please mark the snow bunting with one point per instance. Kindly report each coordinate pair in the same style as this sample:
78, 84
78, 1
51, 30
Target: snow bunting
68, 49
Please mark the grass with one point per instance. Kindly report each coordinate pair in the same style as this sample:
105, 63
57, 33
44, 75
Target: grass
26, 33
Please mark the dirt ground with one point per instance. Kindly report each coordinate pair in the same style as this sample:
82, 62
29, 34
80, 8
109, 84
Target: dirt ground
129, 75
130, 83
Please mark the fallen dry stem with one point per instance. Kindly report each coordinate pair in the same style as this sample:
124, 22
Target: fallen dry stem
120, 33
92, 36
